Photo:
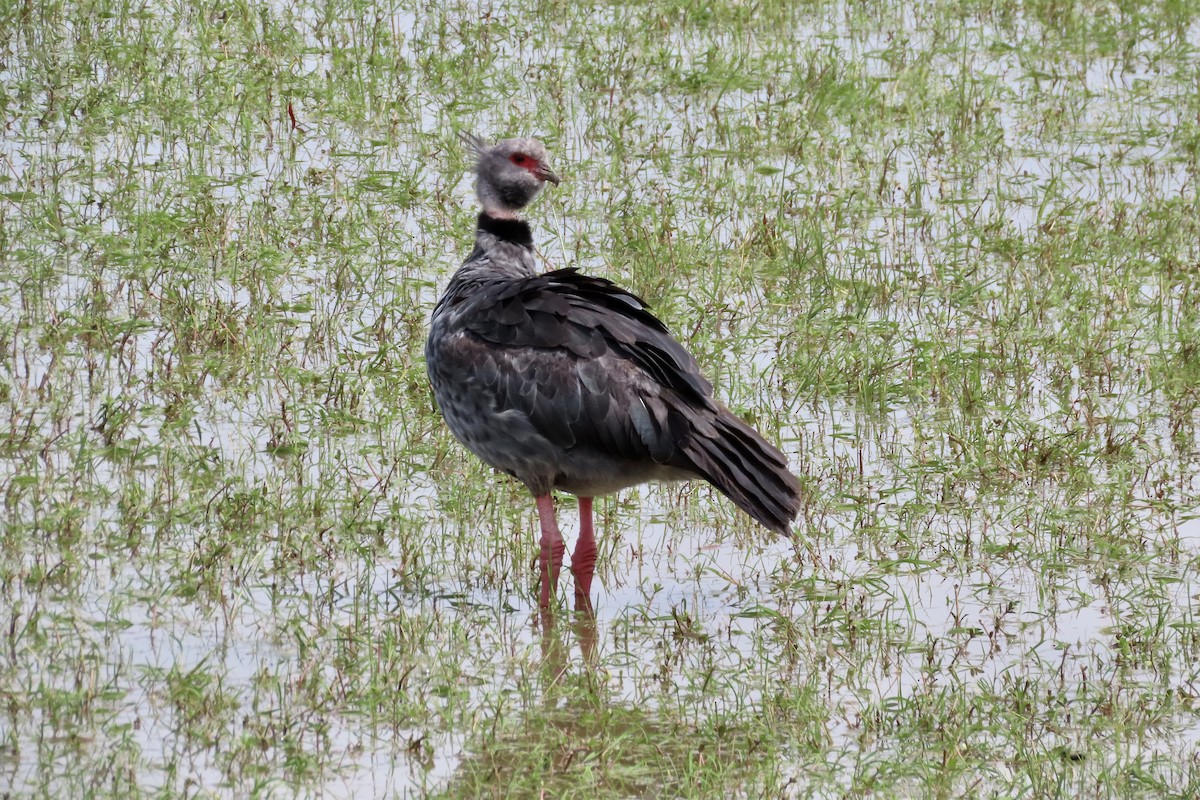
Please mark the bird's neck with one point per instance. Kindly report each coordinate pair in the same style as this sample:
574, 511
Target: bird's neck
503, 249
499, 212
511, 230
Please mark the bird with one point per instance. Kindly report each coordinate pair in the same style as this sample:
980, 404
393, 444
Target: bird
569, 383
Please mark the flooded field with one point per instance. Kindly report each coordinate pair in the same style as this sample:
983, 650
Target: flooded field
947, 255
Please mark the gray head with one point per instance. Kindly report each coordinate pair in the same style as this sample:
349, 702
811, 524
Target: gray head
509, 173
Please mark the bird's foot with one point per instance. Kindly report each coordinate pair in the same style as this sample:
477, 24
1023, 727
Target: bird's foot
553, 548
551, 564
583, 567
583, 560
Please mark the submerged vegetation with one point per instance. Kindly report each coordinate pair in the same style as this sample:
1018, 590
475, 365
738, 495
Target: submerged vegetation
947, 254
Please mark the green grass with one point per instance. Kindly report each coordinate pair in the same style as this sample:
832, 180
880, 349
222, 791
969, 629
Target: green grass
945, 253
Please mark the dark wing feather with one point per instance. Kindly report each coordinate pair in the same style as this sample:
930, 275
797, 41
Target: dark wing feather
588, 364
588, 316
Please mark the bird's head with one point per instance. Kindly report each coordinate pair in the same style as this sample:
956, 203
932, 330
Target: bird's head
509, 174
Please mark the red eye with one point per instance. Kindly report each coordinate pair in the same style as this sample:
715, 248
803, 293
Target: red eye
519, 159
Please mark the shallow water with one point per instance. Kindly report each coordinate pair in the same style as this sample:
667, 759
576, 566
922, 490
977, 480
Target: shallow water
224, 480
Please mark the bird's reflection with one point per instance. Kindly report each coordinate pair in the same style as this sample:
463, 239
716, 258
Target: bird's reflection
555, 647
578, 733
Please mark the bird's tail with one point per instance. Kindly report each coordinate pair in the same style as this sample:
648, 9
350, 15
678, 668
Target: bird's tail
748, 470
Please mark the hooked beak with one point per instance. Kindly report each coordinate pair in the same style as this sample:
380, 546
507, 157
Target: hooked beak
545, 174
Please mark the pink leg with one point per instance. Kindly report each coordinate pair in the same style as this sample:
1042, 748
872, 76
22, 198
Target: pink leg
552, 548
583, 560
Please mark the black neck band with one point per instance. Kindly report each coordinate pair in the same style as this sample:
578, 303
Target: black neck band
516, 231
